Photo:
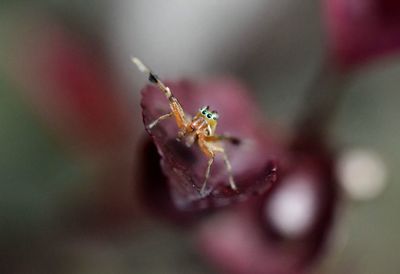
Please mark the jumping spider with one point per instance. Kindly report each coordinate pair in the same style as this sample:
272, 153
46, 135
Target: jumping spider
200, 129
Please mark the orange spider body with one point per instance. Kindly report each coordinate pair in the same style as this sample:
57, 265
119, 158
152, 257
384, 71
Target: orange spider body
200, 129
202, 125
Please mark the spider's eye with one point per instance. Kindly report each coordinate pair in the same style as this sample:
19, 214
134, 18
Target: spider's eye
209, 116
204, 109
215, 116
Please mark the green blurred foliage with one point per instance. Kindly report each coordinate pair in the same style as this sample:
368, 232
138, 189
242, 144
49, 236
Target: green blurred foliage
37, 174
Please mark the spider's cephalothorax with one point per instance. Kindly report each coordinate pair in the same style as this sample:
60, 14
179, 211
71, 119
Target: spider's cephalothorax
206, 119
203, 123
200, 129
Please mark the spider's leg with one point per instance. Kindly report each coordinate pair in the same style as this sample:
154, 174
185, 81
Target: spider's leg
176, 108
205, 148
207, 175
229, 169
224, 137
210, 148
162, 117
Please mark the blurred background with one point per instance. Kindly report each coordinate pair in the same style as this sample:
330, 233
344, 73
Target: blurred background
71, 126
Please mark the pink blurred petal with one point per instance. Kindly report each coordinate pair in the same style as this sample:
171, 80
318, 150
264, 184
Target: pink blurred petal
249, 239
65, 76
362, 30
66, 80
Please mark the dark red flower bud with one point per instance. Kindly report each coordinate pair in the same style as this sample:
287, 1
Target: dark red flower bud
362, 30
253, 158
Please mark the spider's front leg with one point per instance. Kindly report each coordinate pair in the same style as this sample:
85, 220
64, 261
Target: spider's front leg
210, 147
162, 117
178, 114
175, 106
